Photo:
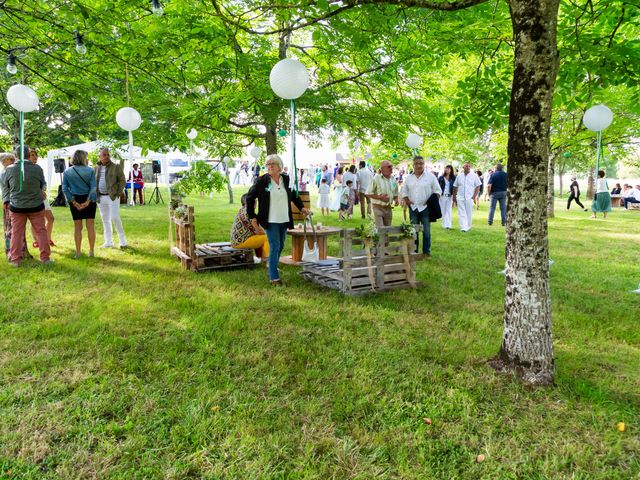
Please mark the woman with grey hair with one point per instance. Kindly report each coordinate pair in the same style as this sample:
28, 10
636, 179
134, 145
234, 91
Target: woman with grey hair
79, 187
274, 210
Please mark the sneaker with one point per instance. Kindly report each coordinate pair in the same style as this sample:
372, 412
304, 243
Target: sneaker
124, 247
77, 255
48, 262
106, 245
277, 283
91, 254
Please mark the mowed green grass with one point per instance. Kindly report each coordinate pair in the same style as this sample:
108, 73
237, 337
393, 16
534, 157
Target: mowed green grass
125, 366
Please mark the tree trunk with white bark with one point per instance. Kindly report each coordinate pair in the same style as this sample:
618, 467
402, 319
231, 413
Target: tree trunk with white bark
527, 344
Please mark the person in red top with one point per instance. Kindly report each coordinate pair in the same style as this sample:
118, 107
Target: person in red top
138, 183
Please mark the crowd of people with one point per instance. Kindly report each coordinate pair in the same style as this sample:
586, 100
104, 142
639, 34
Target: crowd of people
24, 198
424, 194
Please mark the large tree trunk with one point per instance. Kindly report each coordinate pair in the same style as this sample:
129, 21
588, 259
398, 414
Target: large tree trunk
270, 138
550, 187
527, 344
591, 183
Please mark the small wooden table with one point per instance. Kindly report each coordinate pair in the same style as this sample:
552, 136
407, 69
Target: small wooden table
297, 243
616, 200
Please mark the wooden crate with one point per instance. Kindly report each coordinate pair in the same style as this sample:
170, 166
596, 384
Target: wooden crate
206, 256
352, 275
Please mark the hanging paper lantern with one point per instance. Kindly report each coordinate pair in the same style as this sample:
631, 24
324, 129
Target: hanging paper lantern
566, 154
226, 160
22, 98
128, 119
256, 152
282, 132
597, 118
289, 79
413, 140
192, 134
357, 144
394, 155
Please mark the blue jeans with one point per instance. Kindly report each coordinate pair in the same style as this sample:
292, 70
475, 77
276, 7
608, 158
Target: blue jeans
276, 235
502, 198
422, 218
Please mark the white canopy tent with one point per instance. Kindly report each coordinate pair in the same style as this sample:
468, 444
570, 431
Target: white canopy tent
122, 152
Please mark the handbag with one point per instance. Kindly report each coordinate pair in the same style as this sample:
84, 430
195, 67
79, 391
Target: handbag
311, 255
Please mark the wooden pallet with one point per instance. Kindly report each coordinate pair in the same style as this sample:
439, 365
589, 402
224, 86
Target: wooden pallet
206, 256
351, 274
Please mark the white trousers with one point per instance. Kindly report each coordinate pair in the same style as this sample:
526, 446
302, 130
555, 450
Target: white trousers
110, 213
465, 210
445, 207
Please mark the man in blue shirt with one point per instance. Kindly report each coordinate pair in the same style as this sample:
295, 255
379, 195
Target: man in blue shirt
497, 189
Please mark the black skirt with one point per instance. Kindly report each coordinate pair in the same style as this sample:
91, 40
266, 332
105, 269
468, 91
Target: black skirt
87, 213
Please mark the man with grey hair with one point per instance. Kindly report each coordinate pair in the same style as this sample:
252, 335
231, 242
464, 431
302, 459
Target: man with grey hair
383, 191
497, 187
110, 181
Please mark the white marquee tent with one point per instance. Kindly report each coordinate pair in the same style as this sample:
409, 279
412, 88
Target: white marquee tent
122, 152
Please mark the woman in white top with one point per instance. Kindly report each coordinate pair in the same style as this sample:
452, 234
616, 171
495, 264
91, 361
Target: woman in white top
602, 200
274, 210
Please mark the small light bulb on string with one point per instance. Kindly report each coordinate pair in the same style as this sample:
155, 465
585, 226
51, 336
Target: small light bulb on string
80, 46
11, 64
156, 8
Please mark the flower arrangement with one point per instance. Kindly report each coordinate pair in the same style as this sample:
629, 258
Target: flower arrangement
181, 212
368, 231
408, 230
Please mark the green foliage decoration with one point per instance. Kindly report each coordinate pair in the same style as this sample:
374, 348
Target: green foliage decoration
201, 178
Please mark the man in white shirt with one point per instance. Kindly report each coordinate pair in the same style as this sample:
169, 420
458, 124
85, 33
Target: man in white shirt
416, 191
465, 190
383, 192
632, 196
363, 179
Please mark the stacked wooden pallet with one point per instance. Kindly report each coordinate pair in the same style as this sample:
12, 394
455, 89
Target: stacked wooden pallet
206, 256
390, 264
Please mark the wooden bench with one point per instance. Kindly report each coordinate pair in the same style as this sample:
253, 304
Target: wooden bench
206, 256
633, 206
391, 264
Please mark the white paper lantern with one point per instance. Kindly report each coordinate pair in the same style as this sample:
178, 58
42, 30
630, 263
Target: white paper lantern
456, 163
413, 140
357, 144
597, 118
289, 79
192, 134
22, 98
256, 152
128, 119
226, 160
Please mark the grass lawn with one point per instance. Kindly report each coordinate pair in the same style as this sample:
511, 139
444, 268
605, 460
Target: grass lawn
125, 366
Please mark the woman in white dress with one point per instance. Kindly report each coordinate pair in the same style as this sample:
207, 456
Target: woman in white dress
337, 191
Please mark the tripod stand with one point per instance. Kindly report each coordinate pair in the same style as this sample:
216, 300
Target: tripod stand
156, 195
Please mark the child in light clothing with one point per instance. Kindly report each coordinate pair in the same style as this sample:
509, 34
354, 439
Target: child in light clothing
323, 199
344, 199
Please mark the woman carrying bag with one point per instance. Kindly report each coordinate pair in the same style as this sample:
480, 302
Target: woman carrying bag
274, 210
79, 187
